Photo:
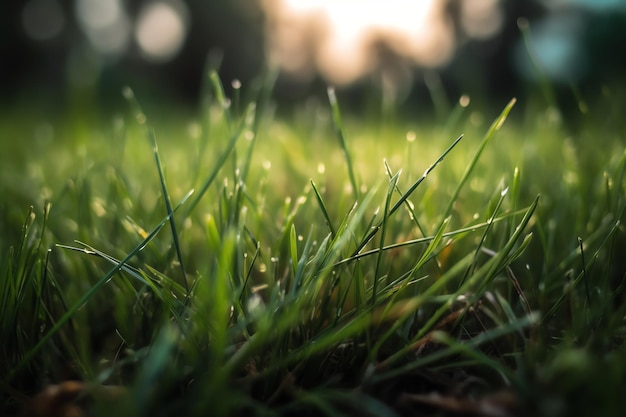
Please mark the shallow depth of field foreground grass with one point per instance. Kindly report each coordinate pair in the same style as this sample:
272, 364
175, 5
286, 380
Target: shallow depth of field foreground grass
325, 265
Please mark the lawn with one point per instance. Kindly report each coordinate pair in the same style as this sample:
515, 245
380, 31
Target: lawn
239, 261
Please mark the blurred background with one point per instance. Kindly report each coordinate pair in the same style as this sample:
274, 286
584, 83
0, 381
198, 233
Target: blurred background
56, 54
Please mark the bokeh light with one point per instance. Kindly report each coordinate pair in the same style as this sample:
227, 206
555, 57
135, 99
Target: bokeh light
481, 19
555, 46
42, 19
347, 39
161, 30
105, 23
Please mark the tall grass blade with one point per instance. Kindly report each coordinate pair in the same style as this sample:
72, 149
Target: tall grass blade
220, 96
453, 349
83, 300
479, 280
406, 195
320, 201
334, 106
458, 233
407, 204
415, 302
580, 276
584, 271
168, 206
495, 126
392, 185
221, 160
484, 235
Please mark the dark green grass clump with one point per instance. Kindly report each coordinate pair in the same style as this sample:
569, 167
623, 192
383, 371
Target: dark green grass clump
253, 267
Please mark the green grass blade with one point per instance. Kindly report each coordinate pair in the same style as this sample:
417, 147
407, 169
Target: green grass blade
334, 106
83, 300
458, 233
220, 96
400, 321
407, 204
392, 185
484, 235
453, 349
406, 195
221, 160
495, 126
580, 276
168, 207
479, 280
320, 201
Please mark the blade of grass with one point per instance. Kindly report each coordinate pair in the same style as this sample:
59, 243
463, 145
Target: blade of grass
482, 277
83, 300
220, 96
496, 125
166, 293
403, 198
407, 203
484, 235
392, 184
454, 233
336, 113
580, 276
320, 201
168, 207
399, 322
221, 160
453, 349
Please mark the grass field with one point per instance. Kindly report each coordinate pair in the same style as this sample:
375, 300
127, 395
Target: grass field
236, 263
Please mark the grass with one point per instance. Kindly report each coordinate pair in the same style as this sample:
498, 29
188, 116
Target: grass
241, 264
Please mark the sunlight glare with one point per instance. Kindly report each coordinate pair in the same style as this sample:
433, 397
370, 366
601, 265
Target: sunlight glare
342, 38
